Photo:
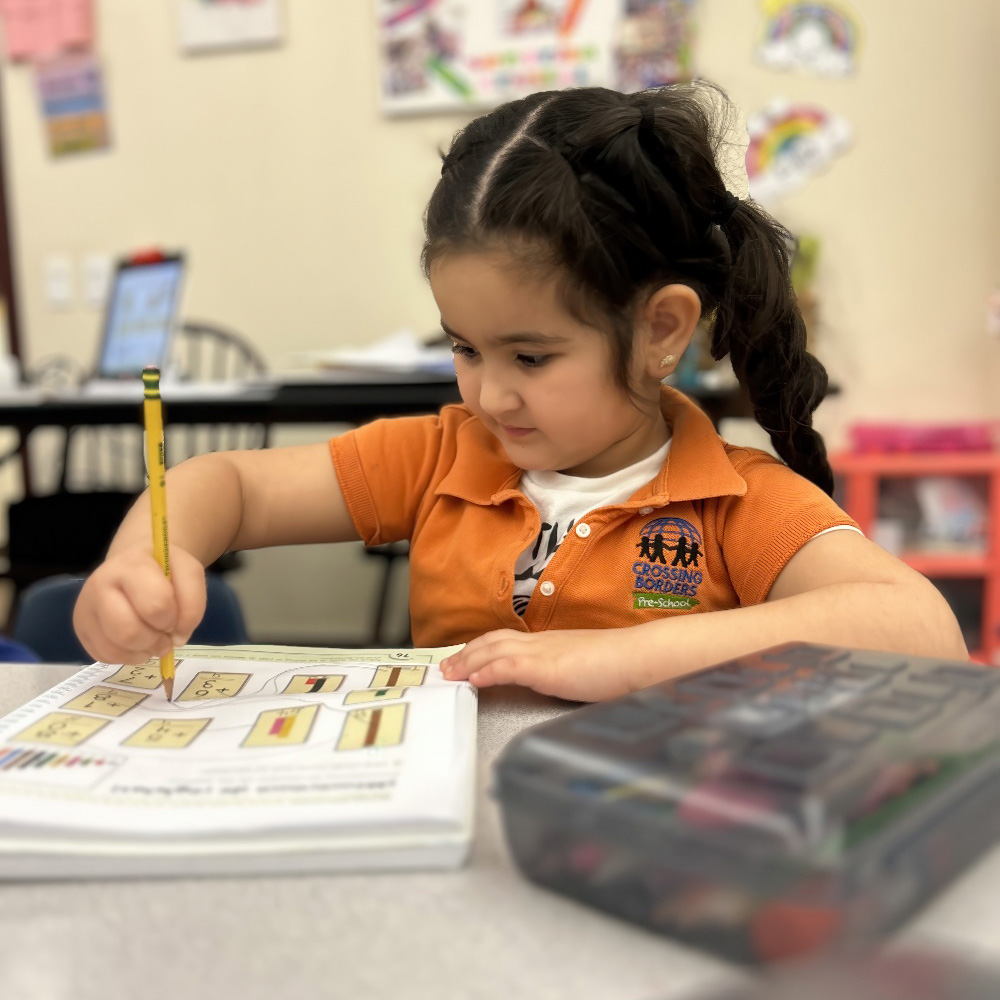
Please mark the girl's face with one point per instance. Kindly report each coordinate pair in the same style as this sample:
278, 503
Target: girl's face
539, 379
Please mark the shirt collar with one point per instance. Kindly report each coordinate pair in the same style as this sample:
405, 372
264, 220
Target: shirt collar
697, 465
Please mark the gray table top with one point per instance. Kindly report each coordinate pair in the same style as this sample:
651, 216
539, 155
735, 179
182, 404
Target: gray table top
481, 932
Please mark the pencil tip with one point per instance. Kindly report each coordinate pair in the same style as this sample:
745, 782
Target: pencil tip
168, 686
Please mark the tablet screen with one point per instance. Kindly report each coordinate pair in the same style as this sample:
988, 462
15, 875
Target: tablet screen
140, 317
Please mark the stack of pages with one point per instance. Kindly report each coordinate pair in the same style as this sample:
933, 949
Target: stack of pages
269, 759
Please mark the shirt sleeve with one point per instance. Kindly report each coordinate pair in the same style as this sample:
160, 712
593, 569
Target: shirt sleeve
763, 529
385, 469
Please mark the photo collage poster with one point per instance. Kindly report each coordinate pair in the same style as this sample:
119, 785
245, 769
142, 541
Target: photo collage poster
450, 55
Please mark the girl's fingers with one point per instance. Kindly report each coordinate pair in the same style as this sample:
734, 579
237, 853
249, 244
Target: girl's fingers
127, 641
107, 652
188, 579
493, 651
172, 606
484, 678
123, 627
458, 666
128, 610
151, 596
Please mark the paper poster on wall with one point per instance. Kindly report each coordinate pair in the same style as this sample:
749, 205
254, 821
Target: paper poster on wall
41, 29
212, 25
788, 144
446, 55
71, 94
816, 36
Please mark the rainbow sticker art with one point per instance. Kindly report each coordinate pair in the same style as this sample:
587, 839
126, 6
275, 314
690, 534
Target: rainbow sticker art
788, 144
821, 38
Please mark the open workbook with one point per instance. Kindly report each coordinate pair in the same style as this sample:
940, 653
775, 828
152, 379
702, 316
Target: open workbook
269, 759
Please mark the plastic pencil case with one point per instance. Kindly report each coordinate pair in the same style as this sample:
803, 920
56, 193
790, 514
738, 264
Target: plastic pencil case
796, 799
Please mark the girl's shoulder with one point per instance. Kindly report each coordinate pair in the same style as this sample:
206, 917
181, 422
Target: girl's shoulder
761, 470
452, 435
743, 456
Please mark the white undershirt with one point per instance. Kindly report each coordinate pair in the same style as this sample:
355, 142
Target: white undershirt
561, 500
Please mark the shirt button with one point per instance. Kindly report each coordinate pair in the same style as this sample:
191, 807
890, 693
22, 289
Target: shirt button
645, 510
583, 529
548, 588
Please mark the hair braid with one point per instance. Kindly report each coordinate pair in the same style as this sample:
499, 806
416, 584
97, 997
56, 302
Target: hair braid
758, 323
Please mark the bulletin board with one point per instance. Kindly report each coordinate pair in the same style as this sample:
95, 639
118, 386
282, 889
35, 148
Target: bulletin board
447, 55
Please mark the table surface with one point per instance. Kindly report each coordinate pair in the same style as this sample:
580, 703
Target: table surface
478, 933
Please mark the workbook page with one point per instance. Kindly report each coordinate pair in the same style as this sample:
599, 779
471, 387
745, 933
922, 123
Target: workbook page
255, 741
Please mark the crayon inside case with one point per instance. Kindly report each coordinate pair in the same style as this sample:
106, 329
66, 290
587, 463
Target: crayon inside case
790, 800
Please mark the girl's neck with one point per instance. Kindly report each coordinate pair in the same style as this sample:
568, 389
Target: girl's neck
624, 454
554, 479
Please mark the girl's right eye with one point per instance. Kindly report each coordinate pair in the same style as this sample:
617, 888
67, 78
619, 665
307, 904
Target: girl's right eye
462, 350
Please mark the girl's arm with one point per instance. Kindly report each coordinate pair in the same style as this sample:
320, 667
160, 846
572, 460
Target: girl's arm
839, 589
247, 500
128, 611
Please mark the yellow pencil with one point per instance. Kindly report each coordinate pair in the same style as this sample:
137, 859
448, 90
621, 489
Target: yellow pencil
156, 466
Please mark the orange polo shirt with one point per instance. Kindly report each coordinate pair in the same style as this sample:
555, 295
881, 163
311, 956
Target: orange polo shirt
712, 531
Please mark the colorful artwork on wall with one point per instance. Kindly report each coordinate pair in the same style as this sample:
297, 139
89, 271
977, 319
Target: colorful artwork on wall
42, 29
445, 55
816, 36
71, 95
789, 142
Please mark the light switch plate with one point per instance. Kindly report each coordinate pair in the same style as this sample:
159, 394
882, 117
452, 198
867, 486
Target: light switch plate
58, 280
95, 270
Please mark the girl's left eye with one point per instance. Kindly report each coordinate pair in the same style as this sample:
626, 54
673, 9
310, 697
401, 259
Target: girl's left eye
534, 360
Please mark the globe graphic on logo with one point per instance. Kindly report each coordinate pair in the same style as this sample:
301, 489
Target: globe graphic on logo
672, 528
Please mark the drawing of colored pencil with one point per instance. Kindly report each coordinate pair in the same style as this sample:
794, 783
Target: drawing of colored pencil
418, 7
448, 75
570, 16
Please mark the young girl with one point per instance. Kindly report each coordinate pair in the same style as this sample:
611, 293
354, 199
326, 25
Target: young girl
574, 520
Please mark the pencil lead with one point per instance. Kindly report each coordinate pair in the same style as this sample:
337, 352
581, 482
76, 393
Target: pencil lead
168, 686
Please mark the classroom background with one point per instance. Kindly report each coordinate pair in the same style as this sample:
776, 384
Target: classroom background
296, 191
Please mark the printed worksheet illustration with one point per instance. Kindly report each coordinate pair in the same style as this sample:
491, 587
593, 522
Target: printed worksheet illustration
249, 730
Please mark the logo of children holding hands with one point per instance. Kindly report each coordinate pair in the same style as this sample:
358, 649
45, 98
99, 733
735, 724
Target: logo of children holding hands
666, 573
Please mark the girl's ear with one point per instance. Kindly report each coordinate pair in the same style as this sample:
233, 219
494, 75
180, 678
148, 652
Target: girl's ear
666, 325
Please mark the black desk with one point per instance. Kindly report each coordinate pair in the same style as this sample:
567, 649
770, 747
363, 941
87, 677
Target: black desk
348, 397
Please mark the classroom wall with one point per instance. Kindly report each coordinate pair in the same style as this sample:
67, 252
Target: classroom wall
300, 207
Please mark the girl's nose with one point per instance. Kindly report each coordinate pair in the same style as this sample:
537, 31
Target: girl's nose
496, 395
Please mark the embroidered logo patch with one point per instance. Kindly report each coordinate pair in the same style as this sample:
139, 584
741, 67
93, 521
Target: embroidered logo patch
667, 576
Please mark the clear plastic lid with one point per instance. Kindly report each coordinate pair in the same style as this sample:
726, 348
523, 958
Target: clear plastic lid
800, 750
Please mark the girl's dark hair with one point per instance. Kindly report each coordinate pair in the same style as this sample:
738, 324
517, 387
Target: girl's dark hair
619, 194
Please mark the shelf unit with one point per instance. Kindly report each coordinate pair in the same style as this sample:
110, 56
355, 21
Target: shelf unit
957, 575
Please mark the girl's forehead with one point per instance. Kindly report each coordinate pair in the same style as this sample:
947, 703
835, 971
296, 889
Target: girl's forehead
480, 297
493, 281
502, 263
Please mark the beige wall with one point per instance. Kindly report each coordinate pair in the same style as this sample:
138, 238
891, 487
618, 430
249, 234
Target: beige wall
300, 208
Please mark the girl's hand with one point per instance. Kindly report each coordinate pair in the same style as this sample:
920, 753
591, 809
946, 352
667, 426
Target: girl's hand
128, 610
576, 664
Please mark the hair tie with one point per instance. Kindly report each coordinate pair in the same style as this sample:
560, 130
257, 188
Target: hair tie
726, 212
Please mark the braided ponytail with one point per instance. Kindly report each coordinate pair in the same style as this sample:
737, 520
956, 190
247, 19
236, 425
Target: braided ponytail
758, 324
